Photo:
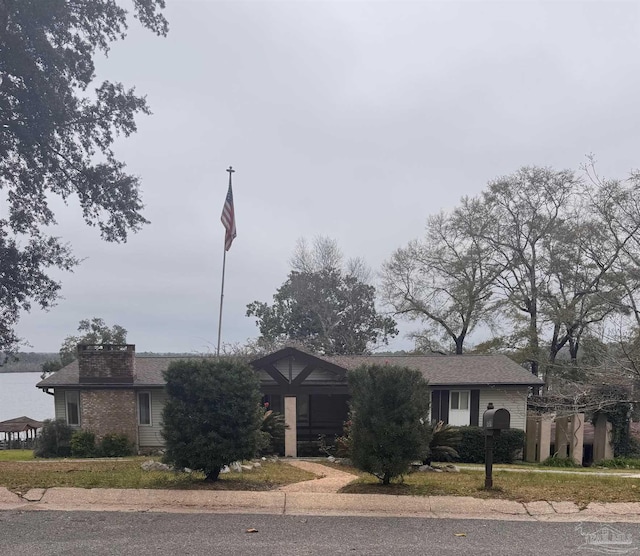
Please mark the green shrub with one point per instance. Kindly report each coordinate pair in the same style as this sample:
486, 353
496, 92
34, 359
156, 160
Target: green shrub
115, 445
273, 429
54, 440
620, 463
444, 441
471, 447
506, 447
343, 443
389, 409
212, 416
83, 444
557, 461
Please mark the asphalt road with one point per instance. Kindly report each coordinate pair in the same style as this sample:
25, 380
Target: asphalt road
35, 533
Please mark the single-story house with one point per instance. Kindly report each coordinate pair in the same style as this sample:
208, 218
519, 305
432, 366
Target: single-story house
110, 389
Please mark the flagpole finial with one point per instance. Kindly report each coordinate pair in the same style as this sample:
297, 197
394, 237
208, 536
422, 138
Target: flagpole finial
230, 170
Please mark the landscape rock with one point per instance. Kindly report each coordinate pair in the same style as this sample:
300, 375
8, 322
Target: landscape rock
152, 465
225, 469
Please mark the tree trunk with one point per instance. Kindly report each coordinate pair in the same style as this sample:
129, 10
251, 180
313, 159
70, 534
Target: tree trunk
212, 476
386, 478
459, 344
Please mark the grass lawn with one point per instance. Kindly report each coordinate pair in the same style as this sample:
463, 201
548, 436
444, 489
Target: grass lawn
524, 466
16, 455
21, 476
522, 487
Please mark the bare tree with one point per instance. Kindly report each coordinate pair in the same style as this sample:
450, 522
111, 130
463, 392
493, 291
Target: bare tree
526, 209
445, 280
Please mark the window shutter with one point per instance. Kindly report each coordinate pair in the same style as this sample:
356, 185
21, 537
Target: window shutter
444, 406
475, 408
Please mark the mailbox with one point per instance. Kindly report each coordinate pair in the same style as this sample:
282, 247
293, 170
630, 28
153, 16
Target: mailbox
495, 420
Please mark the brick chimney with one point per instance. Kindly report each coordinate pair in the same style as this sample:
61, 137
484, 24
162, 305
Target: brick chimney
106, 363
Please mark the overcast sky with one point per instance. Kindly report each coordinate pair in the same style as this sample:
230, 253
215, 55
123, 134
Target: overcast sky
354, 120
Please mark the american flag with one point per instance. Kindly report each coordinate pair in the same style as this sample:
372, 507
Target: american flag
228, 220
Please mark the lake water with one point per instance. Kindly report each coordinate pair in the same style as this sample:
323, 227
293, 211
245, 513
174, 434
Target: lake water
19, 396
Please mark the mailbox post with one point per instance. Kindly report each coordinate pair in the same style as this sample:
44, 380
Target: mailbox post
493, 421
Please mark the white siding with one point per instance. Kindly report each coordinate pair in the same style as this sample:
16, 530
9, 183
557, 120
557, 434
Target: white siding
149, 436
513, 399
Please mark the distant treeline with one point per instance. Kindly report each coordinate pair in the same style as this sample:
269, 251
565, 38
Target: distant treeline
27, 362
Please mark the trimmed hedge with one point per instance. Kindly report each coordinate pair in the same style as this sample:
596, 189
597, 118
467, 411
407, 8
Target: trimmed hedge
115, 445
83, 444
508, 445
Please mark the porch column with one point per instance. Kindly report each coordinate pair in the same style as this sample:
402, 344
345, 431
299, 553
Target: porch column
532, 438
544, 438
290, 433
602, 446
562, 437
576, 443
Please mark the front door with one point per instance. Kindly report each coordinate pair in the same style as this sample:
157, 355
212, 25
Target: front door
459, 412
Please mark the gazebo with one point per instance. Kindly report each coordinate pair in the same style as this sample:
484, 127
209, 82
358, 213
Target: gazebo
20, 428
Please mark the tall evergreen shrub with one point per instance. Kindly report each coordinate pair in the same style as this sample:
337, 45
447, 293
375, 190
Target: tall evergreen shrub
212, 416
390, 414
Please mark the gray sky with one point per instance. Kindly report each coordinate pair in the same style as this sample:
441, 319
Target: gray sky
354, 120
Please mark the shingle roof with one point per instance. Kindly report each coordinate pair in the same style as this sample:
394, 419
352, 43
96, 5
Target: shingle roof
439, 370
148, 372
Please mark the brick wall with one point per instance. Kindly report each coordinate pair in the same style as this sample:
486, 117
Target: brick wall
109, 411
106, 363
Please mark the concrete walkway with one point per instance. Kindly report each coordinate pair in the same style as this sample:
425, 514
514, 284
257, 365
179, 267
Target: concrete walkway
329, 479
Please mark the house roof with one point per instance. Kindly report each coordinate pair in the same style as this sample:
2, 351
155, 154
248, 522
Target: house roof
439, 370
449, 370
148, 372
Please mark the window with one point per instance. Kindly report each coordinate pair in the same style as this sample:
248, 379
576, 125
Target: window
72, 404
144, 408
460, 400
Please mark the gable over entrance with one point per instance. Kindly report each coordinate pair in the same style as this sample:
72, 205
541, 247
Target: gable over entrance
310, 391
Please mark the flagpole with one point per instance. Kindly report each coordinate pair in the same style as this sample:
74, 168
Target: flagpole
224, 263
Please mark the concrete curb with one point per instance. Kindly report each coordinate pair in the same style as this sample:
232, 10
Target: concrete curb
302, 503
9, 500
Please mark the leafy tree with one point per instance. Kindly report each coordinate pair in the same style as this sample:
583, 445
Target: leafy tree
390, 419
212, 416
322, 306
94, 331
56, 139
